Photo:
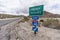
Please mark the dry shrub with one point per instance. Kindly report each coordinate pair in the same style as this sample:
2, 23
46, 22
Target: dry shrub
25, 19
52, 23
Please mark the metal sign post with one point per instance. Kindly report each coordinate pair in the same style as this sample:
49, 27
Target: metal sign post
35, 12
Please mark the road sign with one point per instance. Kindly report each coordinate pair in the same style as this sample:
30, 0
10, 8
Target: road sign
35, 17
35, 23
35, 29
36, 10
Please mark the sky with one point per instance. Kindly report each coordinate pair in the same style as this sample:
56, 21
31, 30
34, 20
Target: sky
21, 7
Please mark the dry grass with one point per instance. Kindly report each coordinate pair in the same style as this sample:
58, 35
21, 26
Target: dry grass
52, 23
26, 19
2, 16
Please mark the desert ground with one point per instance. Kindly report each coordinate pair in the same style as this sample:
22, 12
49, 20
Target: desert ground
22, 30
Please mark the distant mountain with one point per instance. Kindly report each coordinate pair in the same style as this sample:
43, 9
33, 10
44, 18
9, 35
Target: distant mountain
50, 15
7, 16
46, 15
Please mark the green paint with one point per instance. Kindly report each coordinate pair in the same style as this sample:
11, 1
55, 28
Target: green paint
36, 10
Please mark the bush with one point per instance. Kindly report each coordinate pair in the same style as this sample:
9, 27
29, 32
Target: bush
52, 23
26, 19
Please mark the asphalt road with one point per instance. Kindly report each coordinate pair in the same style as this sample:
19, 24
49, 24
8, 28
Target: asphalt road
7, 21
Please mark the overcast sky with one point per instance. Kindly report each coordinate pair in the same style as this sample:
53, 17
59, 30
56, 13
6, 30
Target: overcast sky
20, 7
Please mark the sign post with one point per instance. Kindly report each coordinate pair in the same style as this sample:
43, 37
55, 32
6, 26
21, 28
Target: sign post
35, 12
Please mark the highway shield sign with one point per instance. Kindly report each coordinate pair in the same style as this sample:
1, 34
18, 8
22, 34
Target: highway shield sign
35, 23
35, 17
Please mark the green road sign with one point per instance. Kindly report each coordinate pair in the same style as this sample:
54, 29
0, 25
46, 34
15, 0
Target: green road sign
36, 10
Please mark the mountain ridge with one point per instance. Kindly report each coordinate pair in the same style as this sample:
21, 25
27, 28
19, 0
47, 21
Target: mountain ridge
46, 15
50, 15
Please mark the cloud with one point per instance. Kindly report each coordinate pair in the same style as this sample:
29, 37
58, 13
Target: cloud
21, 7
56, 6
52, 6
